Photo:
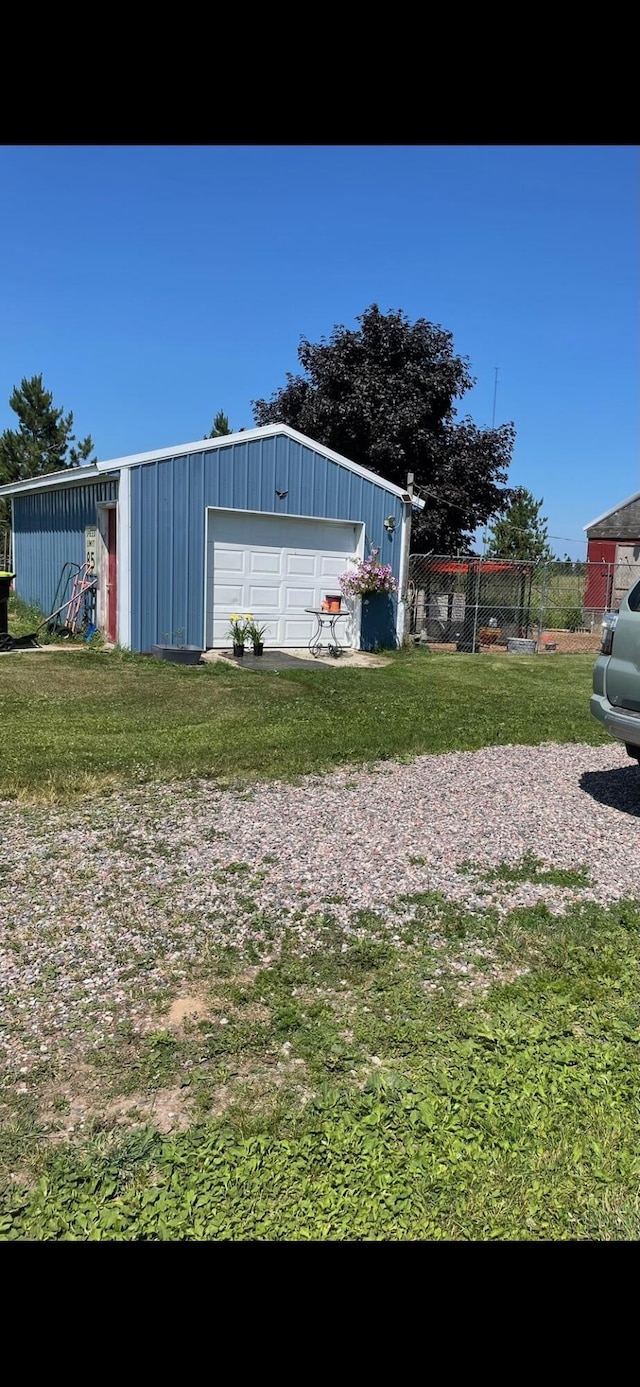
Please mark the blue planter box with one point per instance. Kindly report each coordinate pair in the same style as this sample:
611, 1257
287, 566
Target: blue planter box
378, 630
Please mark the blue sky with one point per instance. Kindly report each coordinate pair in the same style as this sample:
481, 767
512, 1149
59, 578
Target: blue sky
153, 286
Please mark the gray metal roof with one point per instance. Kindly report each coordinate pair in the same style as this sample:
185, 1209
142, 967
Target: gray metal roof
53, 479
620, 506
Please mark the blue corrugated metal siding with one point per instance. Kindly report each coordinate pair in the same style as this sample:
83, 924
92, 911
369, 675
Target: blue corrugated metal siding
48, 529
168, 501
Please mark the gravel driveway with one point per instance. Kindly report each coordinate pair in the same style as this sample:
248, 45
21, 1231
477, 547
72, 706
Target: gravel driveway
106, 909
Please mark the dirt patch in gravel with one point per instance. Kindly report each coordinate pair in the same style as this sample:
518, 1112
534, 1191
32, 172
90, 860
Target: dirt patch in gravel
168, 1110
188, 1009
185, 1011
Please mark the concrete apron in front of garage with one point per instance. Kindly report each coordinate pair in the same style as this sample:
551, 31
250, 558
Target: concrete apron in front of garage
274, 660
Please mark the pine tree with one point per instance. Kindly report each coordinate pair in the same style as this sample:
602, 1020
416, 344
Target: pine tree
521, 533
44, 440
220, 426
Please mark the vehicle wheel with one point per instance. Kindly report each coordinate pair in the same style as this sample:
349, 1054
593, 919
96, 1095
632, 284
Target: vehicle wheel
632, 751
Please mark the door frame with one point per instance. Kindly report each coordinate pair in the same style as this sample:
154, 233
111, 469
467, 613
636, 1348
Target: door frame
281, 515
102, 559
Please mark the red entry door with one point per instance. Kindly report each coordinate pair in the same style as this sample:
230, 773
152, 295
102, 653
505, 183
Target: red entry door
112, 575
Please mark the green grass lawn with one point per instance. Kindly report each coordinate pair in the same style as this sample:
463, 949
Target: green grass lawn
86, 720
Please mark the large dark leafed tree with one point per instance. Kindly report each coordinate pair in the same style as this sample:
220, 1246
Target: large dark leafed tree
384, 394
44, 440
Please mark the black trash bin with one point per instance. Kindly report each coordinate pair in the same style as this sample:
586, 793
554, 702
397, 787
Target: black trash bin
6, 580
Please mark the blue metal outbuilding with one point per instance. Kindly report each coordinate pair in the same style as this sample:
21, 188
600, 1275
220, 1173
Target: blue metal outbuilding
262, 520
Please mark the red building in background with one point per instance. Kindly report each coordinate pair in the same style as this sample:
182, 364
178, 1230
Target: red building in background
613, 555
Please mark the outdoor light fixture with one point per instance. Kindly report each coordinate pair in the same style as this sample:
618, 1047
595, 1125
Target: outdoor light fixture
390, 523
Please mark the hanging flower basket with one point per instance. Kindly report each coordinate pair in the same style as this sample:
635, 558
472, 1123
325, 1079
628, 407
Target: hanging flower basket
368, 576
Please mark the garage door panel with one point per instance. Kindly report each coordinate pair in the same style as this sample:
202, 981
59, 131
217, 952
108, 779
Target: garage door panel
273, 567
329, 567
227, 596
298, 631
221, 633
301, 565
232, 560
299, 597
266, 597
265, 561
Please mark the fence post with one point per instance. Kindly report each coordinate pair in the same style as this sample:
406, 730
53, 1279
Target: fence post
543, 602
475, 614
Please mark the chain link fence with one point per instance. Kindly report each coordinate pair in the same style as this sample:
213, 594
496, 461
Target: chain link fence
498, 605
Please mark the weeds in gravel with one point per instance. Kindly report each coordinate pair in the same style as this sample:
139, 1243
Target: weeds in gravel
87, 722
477, 1083
420, 898
531, 868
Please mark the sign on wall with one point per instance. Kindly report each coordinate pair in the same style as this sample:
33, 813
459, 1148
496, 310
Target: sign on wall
91, 545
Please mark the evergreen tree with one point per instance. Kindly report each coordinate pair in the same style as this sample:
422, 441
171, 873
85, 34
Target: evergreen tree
220, 425
521, 533
44, 440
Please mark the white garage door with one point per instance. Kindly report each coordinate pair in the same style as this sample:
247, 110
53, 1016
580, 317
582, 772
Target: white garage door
273, 567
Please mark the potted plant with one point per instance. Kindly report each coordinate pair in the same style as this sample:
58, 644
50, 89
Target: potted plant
238, 633
373, 582
173, 650
368, 576
256, 635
